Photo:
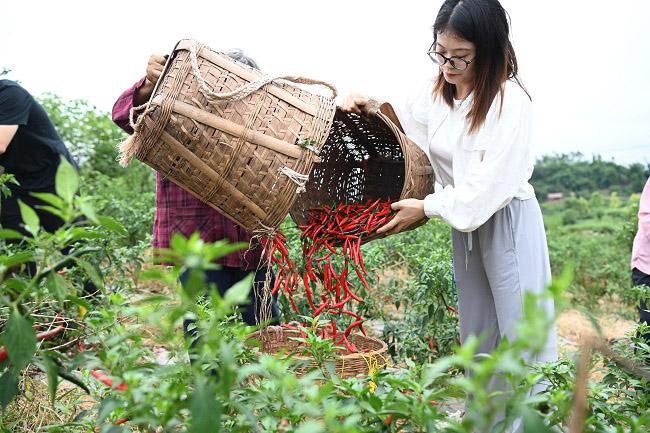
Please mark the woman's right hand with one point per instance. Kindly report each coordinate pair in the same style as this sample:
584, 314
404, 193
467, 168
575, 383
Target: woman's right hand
355, 103
155, 66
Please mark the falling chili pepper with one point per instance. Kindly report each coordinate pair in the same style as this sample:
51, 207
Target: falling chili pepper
330, 231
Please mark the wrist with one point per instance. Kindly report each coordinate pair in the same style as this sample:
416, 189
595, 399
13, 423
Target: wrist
143, 93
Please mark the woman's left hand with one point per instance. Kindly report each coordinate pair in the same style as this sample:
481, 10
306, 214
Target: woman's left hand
410, 214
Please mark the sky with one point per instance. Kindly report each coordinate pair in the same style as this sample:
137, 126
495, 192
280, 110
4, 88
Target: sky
585, 62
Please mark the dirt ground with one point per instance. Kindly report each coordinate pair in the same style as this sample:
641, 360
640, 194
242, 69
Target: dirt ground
573, 326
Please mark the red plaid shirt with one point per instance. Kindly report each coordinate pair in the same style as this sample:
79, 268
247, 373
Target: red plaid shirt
178, 211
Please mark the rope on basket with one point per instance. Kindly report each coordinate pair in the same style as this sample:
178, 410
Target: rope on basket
298, 178
248, 88
127, 148
266, 233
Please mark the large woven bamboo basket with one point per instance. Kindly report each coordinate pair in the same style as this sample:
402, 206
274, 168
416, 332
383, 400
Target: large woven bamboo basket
373, 353
240, 141
365, 157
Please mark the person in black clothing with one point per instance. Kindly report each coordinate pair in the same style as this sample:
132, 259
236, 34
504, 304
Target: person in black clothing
30, 149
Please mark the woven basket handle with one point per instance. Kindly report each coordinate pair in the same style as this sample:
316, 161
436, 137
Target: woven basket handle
303, 80
374, 108
248, 88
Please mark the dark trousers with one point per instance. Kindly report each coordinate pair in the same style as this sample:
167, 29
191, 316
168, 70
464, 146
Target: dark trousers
224, 278
642, 279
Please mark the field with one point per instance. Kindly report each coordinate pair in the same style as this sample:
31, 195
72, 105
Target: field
132, 331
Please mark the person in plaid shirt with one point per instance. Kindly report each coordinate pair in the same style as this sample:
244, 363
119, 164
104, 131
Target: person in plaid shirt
178, 211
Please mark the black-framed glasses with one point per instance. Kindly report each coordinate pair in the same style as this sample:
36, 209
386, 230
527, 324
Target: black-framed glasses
455, 62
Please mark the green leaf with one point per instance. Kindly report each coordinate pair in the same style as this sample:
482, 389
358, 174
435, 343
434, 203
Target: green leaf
74, 379
533, 422
80, 302
52, 377
49, 198
10, 234
431, 310
112, 225
8, 387
66, 182
108, 405
223, 248
195, 283
205, 409
178, 242
57, 286
16, 259
30, 218
88, 210
20, 340
238, 293
53, 211
92, 273
79, 233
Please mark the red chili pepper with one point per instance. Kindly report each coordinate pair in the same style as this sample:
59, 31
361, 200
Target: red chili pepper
321, 308
39, 337
340, 304
350, 313
362, 329
331, 231
310, 295
108, 381
278, 282
351, 327
351, 347
293, 304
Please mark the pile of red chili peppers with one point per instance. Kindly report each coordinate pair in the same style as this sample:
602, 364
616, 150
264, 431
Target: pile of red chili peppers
330, 232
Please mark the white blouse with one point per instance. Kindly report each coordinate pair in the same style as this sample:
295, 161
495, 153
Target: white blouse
479, 173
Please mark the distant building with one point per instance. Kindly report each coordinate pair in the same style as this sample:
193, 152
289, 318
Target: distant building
554, 196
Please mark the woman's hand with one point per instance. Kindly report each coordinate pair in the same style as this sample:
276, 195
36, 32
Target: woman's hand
410, 215
355, 103
155, 66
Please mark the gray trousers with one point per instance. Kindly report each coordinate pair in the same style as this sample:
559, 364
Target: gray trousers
494, 266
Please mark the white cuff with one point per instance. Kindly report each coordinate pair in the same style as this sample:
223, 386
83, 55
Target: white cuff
432, 205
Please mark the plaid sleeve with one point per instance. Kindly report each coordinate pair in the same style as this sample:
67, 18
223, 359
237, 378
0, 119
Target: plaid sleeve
123, 105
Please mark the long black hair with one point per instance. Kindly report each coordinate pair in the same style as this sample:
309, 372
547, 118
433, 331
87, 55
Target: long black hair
486, 24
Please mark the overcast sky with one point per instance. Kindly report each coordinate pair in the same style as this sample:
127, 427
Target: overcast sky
585, 62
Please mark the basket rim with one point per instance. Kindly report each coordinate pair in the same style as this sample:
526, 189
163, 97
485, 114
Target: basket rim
402, 139
350, 356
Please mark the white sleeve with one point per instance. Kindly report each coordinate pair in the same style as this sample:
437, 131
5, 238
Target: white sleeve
413, 114
495, 174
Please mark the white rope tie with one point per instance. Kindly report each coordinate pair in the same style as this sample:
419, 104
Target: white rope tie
297, 178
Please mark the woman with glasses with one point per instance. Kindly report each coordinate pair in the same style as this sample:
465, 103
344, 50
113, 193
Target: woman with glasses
473, 119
